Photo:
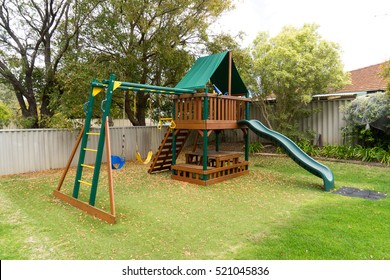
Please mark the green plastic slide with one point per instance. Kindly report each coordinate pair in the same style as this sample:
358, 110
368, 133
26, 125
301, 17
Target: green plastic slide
299, 156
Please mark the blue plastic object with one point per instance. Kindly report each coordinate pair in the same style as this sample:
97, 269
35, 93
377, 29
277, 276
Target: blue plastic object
217, 90
117, 162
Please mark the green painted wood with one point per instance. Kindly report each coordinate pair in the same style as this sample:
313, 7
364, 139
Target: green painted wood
99, 154
246, 136
174, 155
152, 88
84, 143
205, 136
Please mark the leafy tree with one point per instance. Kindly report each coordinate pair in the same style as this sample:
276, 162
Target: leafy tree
5, 115
34, 36
147, 42
293, 66
386, 75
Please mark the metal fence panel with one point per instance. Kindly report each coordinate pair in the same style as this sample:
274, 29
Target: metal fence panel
326, 121
28, 150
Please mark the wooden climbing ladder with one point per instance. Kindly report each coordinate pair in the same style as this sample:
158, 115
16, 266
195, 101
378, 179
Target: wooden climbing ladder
163, 159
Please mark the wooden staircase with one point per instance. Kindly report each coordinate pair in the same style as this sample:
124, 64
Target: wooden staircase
163, 158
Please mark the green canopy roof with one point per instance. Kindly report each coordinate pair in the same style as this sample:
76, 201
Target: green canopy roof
216, 69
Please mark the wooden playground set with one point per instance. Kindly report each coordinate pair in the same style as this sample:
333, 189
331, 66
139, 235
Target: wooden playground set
211, 97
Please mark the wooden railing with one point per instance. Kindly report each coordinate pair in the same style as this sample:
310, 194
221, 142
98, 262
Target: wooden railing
191, 109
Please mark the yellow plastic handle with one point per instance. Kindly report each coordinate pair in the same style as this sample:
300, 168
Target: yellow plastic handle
172, 124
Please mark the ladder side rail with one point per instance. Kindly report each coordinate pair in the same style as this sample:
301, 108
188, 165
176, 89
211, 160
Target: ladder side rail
84, 142
99, 154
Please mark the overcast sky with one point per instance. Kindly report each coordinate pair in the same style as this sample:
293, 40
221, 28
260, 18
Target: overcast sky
361, 28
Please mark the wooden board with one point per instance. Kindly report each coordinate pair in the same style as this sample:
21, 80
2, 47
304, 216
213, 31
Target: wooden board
91, 210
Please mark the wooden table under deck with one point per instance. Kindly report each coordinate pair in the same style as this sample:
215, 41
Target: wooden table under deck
215, 159
221, 166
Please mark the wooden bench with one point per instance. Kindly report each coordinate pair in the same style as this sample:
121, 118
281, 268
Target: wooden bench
215, 159
220, 166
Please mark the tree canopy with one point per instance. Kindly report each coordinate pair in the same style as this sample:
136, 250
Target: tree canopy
147, 42
291, 67
51, 49
34, 37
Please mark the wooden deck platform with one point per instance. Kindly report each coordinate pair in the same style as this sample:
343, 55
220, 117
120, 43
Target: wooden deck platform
221, 166
219, 112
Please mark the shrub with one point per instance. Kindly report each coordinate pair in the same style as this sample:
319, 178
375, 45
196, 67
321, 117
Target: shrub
374, 154
255, 147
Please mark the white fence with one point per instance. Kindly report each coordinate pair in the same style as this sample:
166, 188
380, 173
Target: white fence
27, 150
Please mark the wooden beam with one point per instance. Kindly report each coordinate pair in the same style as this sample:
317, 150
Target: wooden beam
83, 206
70, 159
109, 168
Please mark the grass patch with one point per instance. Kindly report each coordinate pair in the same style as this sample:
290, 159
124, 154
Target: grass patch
278, 211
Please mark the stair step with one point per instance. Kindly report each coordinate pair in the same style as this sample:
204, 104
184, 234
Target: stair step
93, 133
90, 150
163, 158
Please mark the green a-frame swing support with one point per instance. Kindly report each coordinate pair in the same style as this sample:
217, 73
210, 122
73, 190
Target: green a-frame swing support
96, 87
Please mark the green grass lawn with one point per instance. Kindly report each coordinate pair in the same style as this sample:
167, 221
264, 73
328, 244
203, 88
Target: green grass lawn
278, 211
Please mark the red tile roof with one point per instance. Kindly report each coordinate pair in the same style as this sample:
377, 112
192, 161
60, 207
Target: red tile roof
367, 79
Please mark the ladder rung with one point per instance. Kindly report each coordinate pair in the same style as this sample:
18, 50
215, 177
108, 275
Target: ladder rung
85, 183
87, 166
93, 133
90, 150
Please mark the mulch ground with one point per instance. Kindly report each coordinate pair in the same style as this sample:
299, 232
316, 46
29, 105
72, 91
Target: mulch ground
355, 192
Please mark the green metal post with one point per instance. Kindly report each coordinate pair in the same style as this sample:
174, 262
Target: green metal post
246, 136
102, 137
84, 142
205, 136
173, 140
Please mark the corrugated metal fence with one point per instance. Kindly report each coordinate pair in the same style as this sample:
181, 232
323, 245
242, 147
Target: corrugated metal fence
327, 121
27, 150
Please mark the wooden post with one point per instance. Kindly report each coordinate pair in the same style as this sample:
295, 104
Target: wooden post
70, 159
109, 168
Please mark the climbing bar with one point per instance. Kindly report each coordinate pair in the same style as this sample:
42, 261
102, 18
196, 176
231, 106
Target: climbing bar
93, 133
98, 86
85, 183
151, 88
88, 166
90, 150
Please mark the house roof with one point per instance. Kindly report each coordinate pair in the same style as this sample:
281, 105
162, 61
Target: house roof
367, 79
214, 68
